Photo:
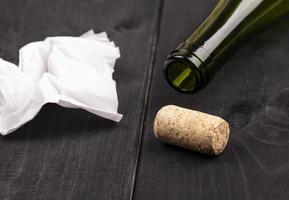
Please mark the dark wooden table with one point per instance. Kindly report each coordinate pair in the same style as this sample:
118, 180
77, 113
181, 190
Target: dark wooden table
72, 154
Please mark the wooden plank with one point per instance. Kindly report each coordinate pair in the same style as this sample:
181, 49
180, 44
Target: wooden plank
251, 92
71, 154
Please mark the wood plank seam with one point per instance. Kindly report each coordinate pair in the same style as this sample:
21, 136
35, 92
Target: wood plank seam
152, 57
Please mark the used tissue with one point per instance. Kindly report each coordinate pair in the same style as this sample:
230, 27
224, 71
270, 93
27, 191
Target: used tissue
74, 72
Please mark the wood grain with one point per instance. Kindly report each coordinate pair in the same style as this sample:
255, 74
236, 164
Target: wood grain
71, 154
251, 92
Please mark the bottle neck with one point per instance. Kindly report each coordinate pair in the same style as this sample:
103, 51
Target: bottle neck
184, 69
208, 47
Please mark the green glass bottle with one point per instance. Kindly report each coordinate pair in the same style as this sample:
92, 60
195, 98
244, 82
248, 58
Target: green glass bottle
193, 64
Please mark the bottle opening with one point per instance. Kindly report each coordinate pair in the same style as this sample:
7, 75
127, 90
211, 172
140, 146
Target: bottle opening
182, 77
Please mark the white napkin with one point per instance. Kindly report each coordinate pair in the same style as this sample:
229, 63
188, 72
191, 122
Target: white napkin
74, 72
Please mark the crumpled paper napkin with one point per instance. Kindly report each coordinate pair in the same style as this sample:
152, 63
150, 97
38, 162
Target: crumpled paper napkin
74, 72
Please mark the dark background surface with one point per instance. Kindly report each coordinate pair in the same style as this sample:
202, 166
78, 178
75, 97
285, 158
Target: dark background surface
71, 154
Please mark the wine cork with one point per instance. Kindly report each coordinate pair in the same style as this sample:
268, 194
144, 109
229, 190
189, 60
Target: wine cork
191, 129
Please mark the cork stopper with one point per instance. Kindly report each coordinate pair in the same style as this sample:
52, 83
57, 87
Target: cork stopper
191, 129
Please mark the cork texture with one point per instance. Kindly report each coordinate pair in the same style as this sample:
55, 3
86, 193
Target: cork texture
191, 129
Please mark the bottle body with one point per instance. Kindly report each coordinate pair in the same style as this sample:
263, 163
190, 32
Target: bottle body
194, 63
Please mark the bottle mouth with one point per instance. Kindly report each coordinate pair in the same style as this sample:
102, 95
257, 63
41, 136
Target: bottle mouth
183, 74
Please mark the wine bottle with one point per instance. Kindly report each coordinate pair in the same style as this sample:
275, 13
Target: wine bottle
193, 63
